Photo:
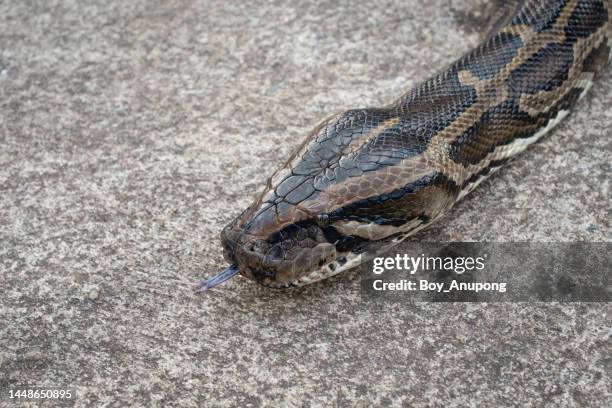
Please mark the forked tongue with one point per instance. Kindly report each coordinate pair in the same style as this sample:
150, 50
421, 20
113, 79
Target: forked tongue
219, 278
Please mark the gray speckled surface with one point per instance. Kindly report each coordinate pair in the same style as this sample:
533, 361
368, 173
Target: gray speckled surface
131, 132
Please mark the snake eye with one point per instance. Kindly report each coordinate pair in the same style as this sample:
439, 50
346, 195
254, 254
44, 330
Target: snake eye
322, 220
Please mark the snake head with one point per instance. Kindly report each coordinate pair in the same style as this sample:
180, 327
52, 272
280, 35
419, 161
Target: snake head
351, 184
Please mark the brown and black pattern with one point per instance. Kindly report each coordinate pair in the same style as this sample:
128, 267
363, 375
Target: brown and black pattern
370, 174
596, 58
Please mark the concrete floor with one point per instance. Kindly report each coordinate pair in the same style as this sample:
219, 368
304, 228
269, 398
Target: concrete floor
131, 132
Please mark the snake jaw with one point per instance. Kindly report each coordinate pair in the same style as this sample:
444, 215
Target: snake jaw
341, 263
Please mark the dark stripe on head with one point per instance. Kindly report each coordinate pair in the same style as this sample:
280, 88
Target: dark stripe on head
544, 71
298, 231
343, 243
422, 114
388, 148
539, 16
587, 18
485, 62
337, 133
399, 206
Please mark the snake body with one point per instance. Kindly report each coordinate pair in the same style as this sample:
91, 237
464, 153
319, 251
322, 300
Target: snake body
380, 174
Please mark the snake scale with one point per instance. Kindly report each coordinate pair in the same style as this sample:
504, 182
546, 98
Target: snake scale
377, 175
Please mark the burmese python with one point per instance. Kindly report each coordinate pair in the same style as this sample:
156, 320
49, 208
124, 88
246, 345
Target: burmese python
380, 174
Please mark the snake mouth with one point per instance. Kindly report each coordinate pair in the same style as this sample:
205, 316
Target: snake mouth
281, 260
341, 263
297, 267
